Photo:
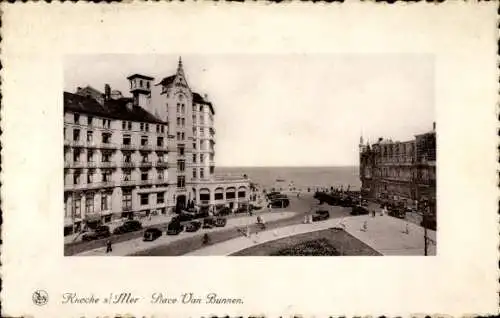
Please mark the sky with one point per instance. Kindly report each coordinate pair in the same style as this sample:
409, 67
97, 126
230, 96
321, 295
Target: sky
291, 109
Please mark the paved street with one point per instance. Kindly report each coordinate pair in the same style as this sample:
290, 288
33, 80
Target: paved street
385, 234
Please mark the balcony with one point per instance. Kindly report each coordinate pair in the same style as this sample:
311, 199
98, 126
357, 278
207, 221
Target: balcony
161, 147
78, 164
146, 182
146, 147
74, 143
127, 147
107, 146
145, 164
126, 183
103, 184
106, 164
161, 164
127, 164
92, 164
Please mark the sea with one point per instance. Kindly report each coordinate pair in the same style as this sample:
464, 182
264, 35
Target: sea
298, 177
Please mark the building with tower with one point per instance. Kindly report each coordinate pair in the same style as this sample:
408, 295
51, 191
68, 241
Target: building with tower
147, 154
401, 171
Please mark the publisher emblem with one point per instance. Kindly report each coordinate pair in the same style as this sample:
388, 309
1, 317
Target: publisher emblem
40, 297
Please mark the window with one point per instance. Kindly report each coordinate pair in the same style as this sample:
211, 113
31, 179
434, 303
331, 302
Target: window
178, 107
178, 121
160, 174
147, 127
144, 175
106, 176
194, 145
230, 195
76, 155
127, 140
202, 173
127, 175
194, 158
129, 125
140, 83
201, 108
181, 165
90, 176
144, 157
147, 85
180, 150
144, 198
127, 157
194, 174
76, 118
183, 122
127, 200
124, 125
182, 136
89, 204
212, 170
76, 134
219, 196
144, 140
178, 136
90, 155
241, 194
157, 128
159, 141
141, 125
104, 201
162, 128
181, 181
194, 119
90, 135
160, 197
76, 207
106, 138
89, 120
183, 108
76, 178
106, 157
202, 158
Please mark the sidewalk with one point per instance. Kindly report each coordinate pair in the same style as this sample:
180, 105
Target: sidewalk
385, 234
157, 219
136, 245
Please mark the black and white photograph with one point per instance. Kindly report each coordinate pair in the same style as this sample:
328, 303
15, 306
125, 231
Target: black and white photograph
160, 156
250, 159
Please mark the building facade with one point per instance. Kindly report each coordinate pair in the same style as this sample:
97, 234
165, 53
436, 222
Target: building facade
401, 171
151, 153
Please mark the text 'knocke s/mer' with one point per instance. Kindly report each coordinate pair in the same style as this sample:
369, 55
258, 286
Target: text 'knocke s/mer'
112, 298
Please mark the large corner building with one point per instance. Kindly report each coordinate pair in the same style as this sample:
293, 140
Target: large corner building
400, 171
151, 153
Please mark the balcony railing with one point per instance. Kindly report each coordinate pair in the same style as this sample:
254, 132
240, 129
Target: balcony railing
127, 164
145, 164
128, 182
106, 164
78, 164
127, 147
92, 185
161, 147
74, 143
146, 182
162, 164
106, 145
145, 147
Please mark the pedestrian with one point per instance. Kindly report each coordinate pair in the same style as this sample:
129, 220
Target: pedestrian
407, 230
365, 226
206, 239
109, 248
247, 231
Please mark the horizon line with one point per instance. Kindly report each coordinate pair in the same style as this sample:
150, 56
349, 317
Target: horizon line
272, 166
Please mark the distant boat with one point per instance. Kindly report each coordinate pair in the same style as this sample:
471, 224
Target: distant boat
280, 180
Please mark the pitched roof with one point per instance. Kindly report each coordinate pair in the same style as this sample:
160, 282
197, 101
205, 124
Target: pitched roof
200, 100
116, 109
167, 80
140, 76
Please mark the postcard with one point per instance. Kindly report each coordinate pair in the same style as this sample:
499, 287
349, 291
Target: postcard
347, 151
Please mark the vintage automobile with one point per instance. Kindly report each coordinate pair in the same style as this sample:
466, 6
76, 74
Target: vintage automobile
280, 203
359, 210
211, 222
100, 232
174, 227
223, 211
193, 226
151, 234
320, 215
399, 213
128, 226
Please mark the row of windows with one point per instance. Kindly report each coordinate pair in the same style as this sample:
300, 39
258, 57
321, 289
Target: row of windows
106, 156
126, 125
106, 176
142, 84
106, 138
144, 198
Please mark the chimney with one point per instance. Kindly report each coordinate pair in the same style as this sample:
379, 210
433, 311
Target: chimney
78, 89
205, 96
107, 92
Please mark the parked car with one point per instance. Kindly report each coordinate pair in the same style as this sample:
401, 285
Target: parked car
320, 215
242, 209
174, 227
100, 232
359, 210
224, 211
128, 226
183, 217
211, 222
193, 226
152, 234
346, 202
280, 203
397, 212
255, 207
